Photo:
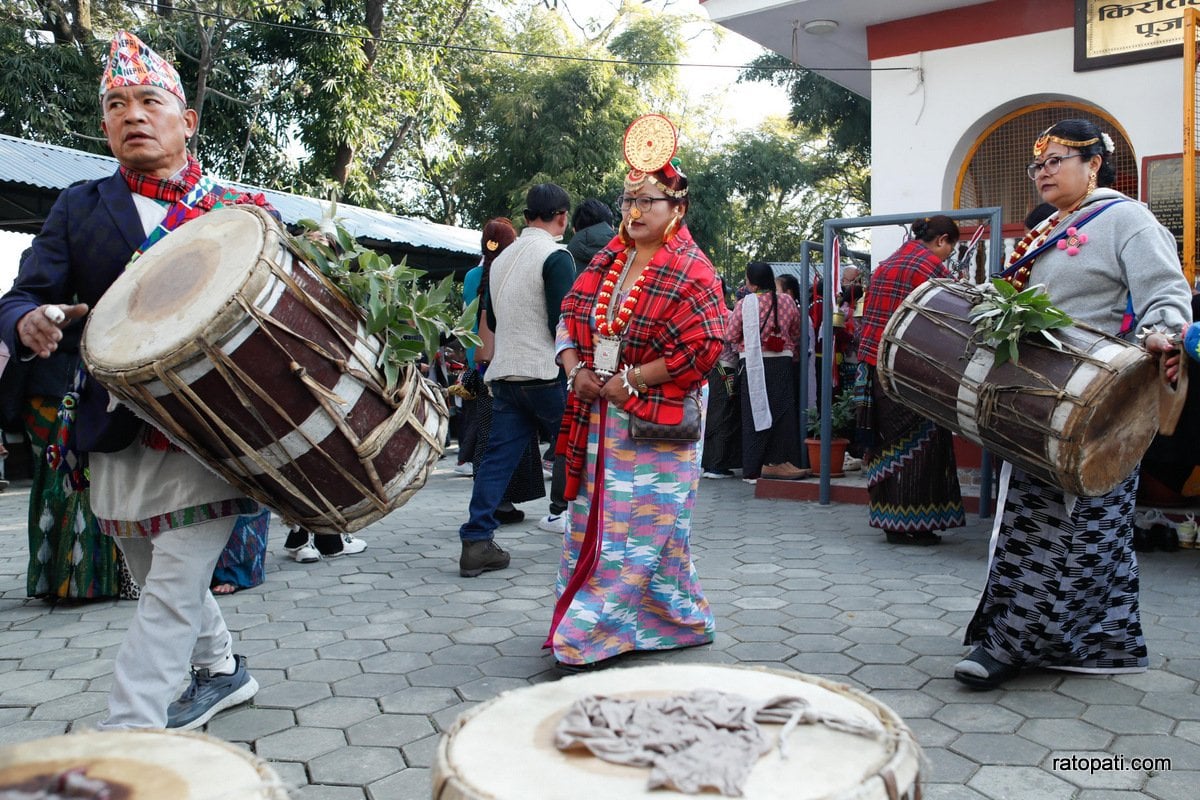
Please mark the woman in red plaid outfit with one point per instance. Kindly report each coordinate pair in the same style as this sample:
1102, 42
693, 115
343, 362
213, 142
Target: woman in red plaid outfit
640, 330
911, 475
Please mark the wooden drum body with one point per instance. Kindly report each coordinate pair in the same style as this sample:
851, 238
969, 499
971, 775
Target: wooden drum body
253, 362
145, 765
1079, 418
504, 749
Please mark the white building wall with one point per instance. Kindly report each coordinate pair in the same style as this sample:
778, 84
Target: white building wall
922, 125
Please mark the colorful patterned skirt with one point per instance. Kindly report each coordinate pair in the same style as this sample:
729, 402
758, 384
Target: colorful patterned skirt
69, 558
626, 580
912, 479
1062, 587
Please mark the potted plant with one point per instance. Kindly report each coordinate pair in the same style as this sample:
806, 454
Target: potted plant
842, 415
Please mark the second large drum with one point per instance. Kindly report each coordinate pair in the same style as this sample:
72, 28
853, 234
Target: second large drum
1079, 417
252, 361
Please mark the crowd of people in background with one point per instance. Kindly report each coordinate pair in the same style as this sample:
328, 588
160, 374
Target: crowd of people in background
609, 352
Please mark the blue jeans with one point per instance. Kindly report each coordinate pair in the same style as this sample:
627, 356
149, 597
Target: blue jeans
518, 411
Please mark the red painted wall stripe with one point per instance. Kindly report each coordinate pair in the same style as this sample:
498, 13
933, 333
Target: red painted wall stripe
986, 22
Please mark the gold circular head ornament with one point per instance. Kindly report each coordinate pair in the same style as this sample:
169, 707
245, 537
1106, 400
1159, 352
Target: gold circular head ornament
650, 143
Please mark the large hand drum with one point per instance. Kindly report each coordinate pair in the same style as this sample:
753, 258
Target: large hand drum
254, 363
1080, 417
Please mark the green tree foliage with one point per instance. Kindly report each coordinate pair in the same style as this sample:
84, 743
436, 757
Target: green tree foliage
819, 103
50, 71
363, 97
526, 121
348, 84
765, 193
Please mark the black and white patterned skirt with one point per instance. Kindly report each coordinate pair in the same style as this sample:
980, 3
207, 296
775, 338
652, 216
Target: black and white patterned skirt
1062, 588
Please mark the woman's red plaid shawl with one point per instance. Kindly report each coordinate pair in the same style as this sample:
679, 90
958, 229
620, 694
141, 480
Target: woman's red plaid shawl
678, 317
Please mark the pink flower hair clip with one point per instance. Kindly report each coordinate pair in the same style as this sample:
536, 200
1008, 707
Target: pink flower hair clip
1073, 242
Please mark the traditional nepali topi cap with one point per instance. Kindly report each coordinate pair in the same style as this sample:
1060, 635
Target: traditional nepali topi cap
132, 63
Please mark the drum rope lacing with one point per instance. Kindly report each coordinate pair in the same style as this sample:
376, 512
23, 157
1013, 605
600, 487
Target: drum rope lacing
993, 404
403, 401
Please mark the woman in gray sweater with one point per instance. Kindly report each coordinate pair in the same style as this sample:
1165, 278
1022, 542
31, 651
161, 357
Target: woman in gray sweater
1062, 587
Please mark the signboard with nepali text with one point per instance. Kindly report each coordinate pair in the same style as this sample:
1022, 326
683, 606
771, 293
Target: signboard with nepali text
1111, 32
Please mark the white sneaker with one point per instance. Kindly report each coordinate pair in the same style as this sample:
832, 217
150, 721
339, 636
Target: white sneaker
554, 523
465, 468
305, 553
352, 545
716, 476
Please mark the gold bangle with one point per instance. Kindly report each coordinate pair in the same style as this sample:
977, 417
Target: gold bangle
639, 380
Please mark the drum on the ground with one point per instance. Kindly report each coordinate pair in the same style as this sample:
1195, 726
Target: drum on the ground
143, 765
1079, 417
252, 361
504, 749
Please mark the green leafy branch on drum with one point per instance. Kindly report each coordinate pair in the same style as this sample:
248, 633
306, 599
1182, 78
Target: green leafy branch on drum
409, 319
1005, 315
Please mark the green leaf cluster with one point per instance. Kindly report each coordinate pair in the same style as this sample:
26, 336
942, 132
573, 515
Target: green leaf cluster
409, 318
1005, 315
842, 413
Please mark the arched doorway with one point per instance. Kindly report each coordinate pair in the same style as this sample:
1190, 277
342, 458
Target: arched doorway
993, 172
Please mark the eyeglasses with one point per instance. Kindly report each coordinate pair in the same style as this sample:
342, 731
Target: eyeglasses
643, 202
1051, 165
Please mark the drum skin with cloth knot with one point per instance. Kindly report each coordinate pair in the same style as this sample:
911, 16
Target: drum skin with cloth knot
1079, 418
145, 765
252, 361
504, 749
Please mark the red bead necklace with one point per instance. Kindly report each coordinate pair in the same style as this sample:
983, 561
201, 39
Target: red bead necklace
605, 325
1033, 240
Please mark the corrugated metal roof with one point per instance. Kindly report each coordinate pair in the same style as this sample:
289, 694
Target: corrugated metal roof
52, 167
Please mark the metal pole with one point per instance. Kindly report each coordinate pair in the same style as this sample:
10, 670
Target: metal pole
805, 297
826, 361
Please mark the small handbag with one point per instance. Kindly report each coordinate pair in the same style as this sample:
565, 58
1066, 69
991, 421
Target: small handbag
686, 430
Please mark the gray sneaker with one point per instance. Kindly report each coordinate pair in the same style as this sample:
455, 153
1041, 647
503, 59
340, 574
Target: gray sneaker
482, 556
209, 694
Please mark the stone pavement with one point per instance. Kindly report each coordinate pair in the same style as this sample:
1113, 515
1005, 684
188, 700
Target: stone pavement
364, 660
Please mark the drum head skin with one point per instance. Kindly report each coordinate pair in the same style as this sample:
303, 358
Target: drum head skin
176, 291
504, 749
147, 765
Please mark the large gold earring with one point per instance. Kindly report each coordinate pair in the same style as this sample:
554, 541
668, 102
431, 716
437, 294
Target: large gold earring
672, 228
1091, 183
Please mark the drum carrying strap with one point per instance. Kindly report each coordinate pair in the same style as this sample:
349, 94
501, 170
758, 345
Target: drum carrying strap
1084, 219
177, 214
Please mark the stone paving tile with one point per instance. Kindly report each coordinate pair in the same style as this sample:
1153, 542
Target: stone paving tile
409, 784
355, 765
1013, 783
363, 662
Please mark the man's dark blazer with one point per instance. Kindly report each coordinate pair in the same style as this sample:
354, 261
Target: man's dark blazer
88, 238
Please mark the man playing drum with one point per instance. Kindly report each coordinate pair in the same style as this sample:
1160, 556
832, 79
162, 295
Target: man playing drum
170, 515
